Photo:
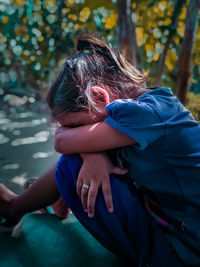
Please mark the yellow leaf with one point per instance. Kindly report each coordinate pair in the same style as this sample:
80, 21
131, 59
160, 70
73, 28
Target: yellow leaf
146, 72
5, 19
76, 26
19, 2
24, 52
50, 3
36, 3
149, 47
65, 10
181, 29
196, 59
3, 39
170, 9
24, 20
192, 80
69, 2
26, 37
84, 14
161, 13
198, 33
63, 26
40, 38
197, 44
156, 56
169, 65
21, 29
176, 39
183, 13
111, 21
167, 21
139, 33
133, 5
72, 17
32, 58
171, 59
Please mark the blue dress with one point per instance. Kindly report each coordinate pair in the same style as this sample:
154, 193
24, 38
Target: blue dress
165, 160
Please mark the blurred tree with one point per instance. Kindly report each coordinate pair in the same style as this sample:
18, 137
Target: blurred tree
127, 35
37, 35
172, 30
185, 58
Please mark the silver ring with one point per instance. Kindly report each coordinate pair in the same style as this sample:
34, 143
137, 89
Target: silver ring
85, 186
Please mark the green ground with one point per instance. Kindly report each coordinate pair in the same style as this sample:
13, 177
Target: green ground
47, 241
26, 140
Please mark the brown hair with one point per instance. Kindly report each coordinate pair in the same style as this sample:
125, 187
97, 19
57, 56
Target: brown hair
95, 63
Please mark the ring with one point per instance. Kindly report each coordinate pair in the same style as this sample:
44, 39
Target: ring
85, 186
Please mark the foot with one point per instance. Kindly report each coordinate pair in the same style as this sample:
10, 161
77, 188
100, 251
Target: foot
60, 208
6, 198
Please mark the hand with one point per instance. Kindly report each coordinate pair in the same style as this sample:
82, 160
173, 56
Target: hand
95, 172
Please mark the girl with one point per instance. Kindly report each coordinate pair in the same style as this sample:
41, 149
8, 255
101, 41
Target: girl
108, 118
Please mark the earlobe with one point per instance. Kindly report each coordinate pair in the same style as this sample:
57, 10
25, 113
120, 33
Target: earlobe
101, 91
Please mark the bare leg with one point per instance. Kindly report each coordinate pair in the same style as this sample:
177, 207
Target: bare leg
42, 193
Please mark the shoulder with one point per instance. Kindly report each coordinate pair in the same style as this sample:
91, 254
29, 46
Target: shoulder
137, 119
159, 102
147, 103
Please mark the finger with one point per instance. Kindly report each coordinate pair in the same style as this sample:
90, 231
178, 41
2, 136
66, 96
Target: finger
91, 200
120, 171
79, 185
108, 196
84, 196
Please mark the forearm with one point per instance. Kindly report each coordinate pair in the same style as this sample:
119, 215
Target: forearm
89, 138
75, 140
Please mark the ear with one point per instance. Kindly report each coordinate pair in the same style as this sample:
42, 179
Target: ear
101, 91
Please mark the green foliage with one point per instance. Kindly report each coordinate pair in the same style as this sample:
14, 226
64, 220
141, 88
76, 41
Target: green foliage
37, 35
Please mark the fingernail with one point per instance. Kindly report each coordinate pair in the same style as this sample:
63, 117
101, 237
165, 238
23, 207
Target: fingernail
90, 215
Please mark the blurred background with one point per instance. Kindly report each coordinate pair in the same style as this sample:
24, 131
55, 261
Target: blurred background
161, 37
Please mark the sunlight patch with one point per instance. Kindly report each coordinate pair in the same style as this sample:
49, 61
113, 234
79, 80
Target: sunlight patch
37, 138
4, 121
3, 139
42, 155
13, 166
23, 115
21, 179
18, 125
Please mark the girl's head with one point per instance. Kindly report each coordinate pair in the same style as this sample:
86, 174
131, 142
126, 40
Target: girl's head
96, 73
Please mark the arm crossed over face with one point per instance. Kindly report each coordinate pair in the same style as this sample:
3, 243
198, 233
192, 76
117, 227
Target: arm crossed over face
89, 138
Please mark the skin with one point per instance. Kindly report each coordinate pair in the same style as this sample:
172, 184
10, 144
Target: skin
90, 137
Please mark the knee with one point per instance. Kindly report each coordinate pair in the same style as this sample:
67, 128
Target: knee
68, 160
66, 175
69, 164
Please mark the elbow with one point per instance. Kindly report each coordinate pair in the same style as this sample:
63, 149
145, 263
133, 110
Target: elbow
58, 144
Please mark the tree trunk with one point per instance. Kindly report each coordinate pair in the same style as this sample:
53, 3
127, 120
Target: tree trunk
127, 35
172, 31
185, 57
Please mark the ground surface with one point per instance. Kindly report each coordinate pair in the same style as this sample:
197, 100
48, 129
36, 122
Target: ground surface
26, 151
26, 143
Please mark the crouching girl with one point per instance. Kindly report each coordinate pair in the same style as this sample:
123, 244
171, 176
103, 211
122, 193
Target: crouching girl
130, 170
